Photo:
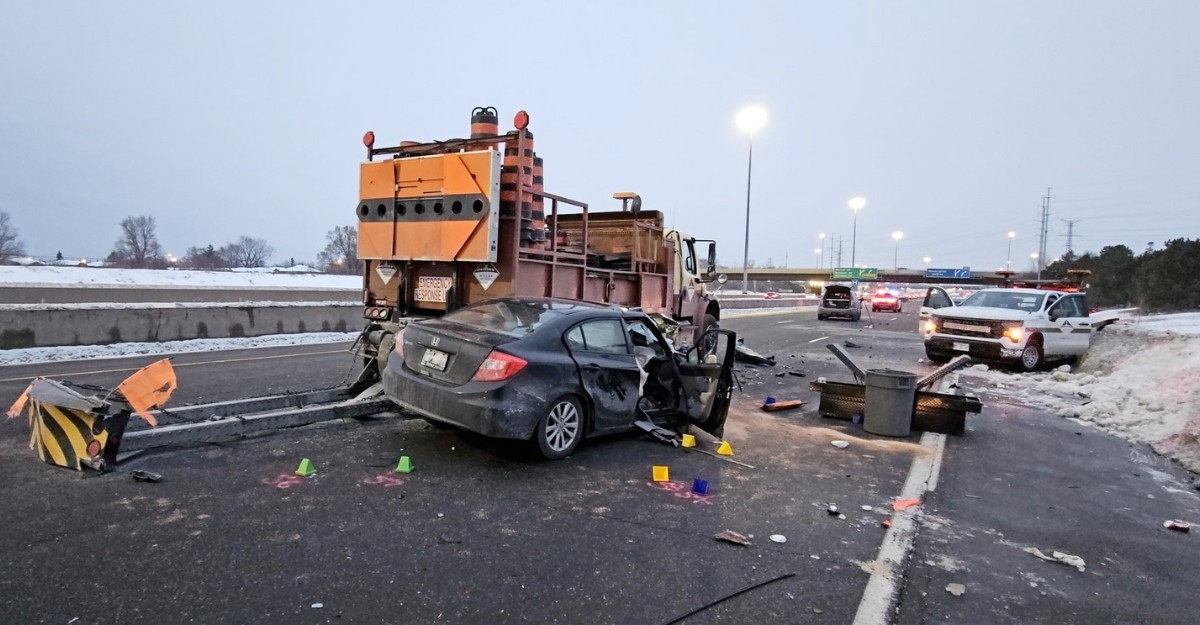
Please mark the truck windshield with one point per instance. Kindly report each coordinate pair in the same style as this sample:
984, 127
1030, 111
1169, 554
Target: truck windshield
1028, 302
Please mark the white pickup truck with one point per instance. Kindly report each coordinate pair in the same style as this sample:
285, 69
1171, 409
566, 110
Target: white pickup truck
1023, 328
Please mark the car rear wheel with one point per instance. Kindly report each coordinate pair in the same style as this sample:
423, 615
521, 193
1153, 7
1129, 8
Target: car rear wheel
561, 429
1032, 356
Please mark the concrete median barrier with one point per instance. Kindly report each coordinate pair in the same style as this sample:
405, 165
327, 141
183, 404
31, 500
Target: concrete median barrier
84, 324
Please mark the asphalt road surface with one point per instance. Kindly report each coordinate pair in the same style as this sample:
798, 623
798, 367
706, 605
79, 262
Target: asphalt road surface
483, 532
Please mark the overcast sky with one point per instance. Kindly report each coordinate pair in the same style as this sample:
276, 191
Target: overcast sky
952, 118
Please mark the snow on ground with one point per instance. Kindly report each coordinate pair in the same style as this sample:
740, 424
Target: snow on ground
1140, 381
269, 277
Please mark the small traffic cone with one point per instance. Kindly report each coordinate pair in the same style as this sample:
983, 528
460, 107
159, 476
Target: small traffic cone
661, 474
689, 440
725, 449
405, 465
306, 468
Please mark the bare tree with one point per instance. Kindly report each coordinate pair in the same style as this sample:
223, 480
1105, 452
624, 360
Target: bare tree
138, 245
204, 258
247, 252
341, 251
10, 241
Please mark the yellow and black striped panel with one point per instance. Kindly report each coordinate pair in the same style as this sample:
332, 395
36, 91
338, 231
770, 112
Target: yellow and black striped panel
65, 437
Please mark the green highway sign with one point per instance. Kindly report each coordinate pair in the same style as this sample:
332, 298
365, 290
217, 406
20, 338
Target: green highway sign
856, 273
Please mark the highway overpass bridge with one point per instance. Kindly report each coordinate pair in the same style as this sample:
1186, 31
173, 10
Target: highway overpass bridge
904, 276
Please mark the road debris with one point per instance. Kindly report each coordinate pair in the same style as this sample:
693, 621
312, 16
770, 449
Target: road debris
749, 356
731, 536
1177, 525
840, 444
778, 538
1058, 556
867, 508
832, 509
771, 405
446, 540
956, 589
145, 476
799, 374
318, 606
905, 504
851, 344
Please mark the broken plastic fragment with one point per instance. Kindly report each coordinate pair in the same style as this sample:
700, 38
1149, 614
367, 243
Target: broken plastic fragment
956, 589
778, 538
731, 536
905, 504
1058, 556
1178, 526
840, 444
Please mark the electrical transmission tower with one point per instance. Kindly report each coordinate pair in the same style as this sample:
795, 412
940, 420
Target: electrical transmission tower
1071, 235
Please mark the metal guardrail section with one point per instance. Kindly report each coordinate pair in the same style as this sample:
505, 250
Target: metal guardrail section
232, 419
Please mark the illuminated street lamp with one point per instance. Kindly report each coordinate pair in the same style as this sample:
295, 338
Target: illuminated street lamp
927, 260
897, 235
750, 120
1011, 235
818, 253
856, 203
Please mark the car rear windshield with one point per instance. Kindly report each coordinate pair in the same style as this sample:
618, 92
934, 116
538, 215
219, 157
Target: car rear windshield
511, 317
1028, 302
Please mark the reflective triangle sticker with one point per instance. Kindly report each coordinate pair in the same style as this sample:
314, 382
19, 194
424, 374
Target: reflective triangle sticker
386, 272
486, 275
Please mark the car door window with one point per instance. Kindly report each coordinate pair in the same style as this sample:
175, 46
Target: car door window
602, 335
641, 335
937, 298
1068, 307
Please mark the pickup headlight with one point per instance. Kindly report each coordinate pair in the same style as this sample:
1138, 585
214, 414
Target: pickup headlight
931, 326
1014, 333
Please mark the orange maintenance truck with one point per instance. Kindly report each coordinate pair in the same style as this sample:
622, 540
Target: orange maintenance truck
447, 223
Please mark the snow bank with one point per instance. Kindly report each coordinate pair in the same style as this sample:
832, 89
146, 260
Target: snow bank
1140, 381
119, 350
32, 276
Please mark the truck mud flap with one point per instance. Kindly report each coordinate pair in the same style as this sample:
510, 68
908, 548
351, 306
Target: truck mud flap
934, 412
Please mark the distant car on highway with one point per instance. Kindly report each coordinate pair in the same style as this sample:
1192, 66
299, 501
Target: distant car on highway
885, 301
555, 371
839, 301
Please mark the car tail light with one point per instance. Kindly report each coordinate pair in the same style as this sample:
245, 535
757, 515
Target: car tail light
497, 367
399, 346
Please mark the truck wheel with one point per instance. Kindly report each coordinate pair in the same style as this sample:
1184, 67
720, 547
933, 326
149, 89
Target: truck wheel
935, 358
1032, 356
561, 428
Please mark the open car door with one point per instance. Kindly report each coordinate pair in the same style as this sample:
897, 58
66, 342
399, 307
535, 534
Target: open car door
706, 376
936, 297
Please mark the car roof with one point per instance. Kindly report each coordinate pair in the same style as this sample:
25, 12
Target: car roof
1017, 290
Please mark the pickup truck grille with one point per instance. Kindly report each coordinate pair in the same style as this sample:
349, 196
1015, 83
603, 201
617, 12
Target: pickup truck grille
971, 327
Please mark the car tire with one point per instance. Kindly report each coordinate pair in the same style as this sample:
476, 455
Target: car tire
561, 429
821, 317
1032, 357
935, 357
710, 323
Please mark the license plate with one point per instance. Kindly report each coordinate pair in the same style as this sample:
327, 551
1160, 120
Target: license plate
434, 359
961, 347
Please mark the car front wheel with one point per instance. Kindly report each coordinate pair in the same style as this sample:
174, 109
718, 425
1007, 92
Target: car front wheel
561, 429
1032, 356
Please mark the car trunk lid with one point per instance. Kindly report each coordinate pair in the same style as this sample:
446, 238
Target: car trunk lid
448, 352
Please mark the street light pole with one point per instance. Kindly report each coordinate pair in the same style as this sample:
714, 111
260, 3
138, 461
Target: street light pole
856, 203
897, 235
1008, 263
821, 256
749, 119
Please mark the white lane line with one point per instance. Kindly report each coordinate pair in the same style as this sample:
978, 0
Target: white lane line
820, 339
786, 321
879, 597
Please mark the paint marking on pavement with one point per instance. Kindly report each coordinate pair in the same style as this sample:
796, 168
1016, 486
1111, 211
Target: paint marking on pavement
879, 597
820, 339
